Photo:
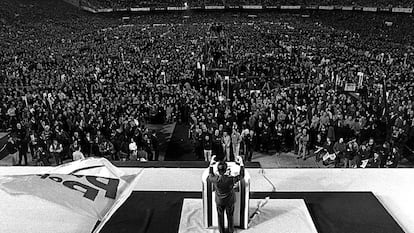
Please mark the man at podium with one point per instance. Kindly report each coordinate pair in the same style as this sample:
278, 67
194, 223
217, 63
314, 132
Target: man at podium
223, 185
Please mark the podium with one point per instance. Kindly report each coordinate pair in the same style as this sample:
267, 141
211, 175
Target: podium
241, 205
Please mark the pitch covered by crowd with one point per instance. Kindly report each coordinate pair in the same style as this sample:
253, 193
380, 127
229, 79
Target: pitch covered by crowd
86, 85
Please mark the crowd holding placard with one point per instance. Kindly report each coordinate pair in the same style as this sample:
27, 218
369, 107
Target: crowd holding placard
82, 85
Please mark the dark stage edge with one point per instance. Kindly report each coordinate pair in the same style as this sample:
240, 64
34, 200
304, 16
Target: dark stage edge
174, 164
332, 212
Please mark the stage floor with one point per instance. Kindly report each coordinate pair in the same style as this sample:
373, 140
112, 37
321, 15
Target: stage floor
331, 212
390, 187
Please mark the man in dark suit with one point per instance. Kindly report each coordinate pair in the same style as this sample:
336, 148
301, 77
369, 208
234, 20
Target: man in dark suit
223, 185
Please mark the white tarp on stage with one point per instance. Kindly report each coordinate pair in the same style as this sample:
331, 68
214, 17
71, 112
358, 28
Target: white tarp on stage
75, 197
32, 214
278, 215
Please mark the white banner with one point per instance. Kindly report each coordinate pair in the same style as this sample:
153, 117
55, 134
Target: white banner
89, 191
348, 8
174, 8
350, 87
140, 9
290, 7
252, 7
370, 9
402, 10
214, 7
328, 8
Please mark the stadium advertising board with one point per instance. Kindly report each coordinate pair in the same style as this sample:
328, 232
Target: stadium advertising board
326, 8
348, 8
290, 7
384, 9
252, 7
370, 9
159, 9
140, 9
311, 7
175, 8
214, 7
402, 10
272, 7
105, 10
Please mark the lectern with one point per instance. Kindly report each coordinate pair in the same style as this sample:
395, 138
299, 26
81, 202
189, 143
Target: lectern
241, 206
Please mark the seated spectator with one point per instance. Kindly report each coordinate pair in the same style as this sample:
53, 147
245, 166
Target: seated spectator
392, 159
142, 155
374, 162
106, 149
77, 154
42, 157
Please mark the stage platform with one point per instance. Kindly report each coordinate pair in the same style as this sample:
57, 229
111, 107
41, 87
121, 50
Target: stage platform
338, 200
285, 215
173, 164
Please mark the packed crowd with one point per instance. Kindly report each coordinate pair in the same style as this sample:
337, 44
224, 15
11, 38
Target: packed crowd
118, 4
75, 85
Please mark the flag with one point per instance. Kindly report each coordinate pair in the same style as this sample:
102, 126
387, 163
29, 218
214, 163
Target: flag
88, 191
24, 98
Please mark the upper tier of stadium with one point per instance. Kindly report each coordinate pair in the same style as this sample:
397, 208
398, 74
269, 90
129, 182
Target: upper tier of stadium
199, 3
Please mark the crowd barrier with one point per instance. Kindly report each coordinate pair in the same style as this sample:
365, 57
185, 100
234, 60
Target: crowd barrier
250, 7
